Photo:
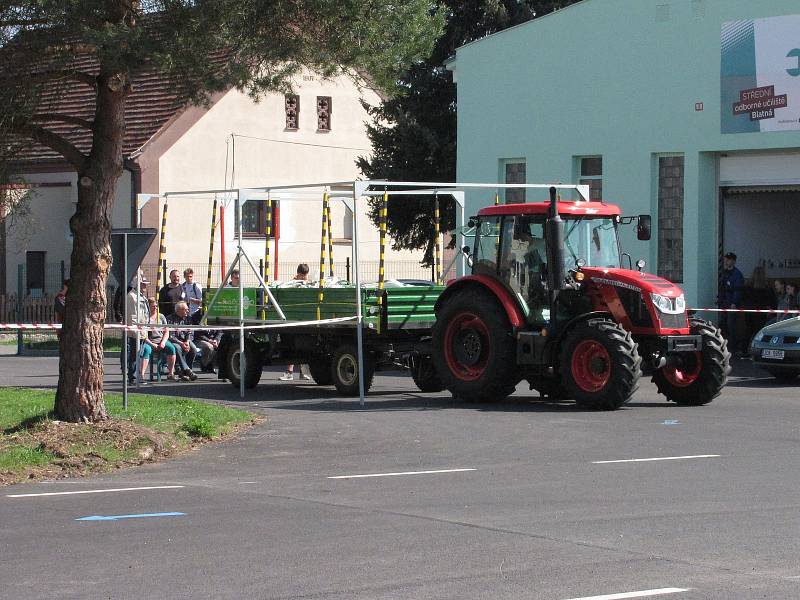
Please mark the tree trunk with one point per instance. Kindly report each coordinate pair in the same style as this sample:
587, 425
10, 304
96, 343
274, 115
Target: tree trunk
79, 397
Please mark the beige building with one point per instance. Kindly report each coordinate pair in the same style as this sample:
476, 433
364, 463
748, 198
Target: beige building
314, 135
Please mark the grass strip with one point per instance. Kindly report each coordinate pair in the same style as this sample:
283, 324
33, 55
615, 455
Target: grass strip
34, 445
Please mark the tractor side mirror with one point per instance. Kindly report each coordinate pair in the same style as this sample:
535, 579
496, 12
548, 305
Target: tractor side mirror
466, 251
643, 228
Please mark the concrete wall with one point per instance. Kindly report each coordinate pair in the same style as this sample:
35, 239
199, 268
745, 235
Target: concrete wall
621, 79
45, 227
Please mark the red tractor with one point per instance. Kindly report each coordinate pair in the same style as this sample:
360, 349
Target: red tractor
548, 302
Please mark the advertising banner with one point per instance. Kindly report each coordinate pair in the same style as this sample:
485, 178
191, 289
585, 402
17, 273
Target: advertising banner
760, 75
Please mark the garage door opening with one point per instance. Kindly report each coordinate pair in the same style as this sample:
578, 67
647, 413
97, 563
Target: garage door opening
761, 224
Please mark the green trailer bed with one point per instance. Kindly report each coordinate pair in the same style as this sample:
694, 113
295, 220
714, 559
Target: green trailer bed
409, 307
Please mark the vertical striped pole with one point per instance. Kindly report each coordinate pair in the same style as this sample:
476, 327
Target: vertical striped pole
437, 234
162, 247
382, 215
268, 233
330, 240
323, 247
210, 254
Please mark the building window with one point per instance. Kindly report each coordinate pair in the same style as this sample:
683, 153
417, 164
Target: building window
323, 113
34, 273
292, 107
514, 172
254, 218
591, 174
670, 218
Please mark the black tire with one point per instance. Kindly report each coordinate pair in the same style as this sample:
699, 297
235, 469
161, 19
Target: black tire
600, 365
424, 374
251, 375
703, 374
320, 369
781, 375
474, 351
344, 370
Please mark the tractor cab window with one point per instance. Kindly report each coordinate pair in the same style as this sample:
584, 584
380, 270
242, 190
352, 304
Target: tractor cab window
523, 262
593, 240
487, 239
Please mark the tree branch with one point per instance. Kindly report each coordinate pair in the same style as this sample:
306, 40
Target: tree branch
53, 141
64, 119
42, 76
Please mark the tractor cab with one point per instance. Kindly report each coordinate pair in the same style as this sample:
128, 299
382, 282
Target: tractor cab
511, 245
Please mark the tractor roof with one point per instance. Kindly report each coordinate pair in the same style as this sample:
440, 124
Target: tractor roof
565, 209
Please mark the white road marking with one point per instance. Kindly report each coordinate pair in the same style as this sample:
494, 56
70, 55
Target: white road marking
133, 489
403, 473
605, 462
640, 594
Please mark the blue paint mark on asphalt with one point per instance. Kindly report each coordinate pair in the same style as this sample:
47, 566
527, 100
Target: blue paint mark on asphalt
139, 516
671, 422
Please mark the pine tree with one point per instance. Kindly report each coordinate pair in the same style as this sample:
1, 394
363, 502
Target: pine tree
203, 46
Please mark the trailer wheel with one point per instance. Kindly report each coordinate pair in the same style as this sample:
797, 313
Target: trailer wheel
344, 370
702, 375
252, 365
600, 365
424, 374
320, 369
474, 352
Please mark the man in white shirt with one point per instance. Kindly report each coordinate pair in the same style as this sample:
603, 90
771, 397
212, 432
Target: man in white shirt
193, 292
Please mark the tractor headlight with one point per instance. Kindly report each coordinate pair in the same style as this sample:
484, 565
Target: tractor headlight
669, 306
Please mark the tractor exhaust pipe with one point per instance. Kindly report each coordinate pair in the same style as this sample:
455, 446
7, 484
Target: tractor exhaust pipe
554, 228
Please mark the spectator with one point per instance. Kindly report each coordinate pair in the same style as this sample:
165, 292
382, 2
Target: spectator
234, 282
192, 293
171, 294
791, 299
207, 341
182, 340
301, 275
138, 312
157, 340
730, 295
59, 305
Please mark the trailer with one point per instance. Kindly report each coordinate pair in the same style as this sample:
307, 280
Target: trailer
396, 332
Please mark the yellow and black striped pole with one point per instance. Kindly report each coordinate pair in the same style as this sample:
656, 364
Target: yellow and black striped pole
162, 248
210, 254
323, 248
266, 273
330, 240
437, 233
382, 217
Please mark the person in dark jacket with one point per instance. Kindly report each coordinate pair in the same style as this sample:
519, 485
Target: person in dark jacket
730, 297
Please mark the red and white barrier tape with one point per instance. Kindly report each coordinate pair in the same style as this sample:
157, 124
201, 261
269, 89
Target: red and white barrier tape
172, 326
772, 311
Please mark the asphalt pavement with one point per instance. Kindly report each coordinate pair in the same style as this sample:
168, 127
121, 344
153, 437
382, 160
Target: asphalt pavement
511, 500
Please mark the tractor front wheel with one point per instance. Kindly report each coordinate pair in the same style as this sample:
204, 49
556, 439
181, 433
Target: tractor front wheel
700, 376
600, 365
474, 352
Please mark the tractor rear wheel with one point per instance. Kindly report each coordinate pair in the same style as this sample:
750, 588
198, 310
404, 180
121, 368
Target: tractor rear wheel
424, 374
600, 365
701, 375
252, 365
320, 369
344, 370
474, 352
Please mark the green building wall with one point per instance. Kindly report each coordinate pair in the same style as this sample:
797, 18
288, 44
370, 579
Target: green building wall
619, 79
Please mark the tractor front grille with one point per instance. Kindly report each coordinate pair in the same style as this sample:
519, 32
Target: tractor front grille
673, 321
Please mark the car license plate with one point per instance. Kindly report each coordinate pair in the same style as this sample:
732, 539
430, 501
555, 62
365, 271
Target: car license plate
772, 354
